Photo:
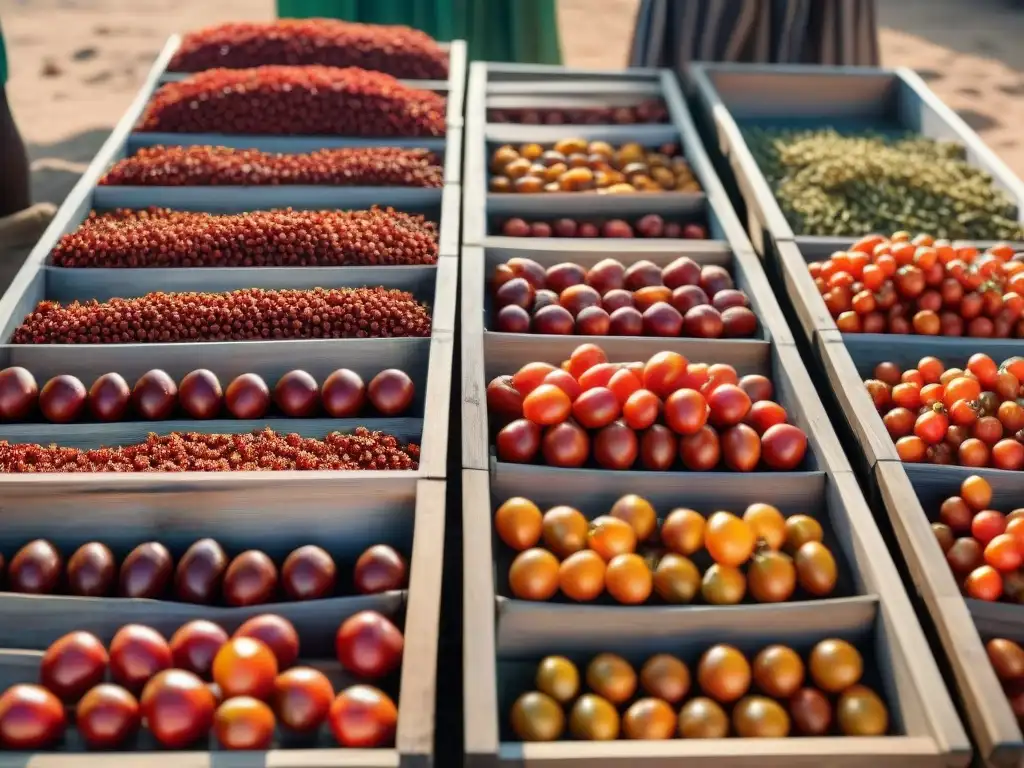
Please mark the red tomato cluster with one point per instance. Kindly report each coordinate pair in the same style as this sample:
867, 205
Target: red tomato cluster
984, 547
704, 415
923, 286
972, 416
166, 687
611, 299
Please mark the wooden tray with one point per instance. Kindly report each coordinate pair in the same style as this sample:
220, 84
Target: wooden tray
480, 214
497, 647
455, 85
744, 267
911, 496
413, 512
728, 93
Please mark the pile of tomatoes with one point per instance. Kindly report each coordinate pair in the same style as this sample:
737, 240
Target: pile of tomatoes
984, 547
972, 416
1007, 658
610, 299
684, 558
769, 697
165, 687
923, 286
655, 412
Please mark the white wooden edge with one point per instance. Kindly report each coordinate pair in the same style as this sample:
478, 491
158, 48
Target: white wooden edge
416, 720
479, 662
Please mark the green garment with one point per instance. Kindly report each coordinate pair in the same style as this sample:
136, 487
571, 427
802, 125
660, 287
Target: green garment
3, 60
523, 31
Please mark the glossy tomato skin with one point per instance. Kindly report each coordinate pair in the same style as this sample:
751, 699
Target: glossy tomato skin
178, 708
31, 717
380, 569
277, 633
302, 698
137, 653
783, 447
244, 723
107, 716
369, 645
741, 448
194, 646
73, 664
363, 717
245, 666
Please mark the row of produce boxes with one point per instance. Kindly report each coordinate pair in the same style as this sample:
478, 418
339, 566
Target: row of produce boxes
572, 446
368, 542
959, 322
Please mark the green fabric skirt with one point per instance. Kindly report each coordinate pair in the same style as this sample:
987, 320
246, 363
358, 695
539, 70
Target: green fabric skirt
523, 31
3, 59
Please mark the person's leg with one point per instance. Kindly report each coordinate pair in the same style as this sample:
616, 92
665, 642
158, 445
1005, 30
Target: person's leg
14, 173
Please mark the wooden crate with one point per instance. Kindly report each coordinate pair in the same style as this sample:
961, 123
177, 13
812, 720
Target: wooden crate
856, 96
912, 495
410, 512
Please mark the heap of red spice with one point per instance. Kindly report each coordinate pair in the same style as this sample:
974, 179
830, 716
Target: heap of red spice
282, 101
247, 314
397, 50
160, 237
261, 450
207, 166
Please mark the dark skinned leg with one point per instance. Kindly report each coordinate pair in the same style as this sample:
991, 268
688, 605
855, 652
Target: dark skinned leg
14, 174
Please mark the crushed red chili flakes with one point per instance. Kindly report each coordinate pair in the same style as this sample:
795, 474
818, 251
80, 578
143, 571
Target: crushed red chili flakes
290, 101
261, 450
210, 166
247, 314
397, 50
160, 237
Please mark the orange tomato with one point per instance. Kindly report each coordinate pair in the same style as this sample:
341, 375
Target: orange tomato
1003, 554
984, 583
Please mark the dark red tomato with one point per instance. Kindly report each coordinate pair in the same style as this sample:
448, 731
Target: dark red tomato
503, 400
566, 445
596, 408
702, 450
178, 708
988, 429
369, 645
765, 414
31, 718
107, 716
728, 405
616, 446
658, 448
518, 442
73, 664
741, 448
757, 387
783, 447
686, 411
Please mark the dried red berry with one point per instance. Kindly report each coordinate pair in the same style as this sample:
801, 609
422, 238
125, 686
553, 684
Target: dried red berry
216, 166
250, 313
397, 50
305, 100
160, 237
263, 450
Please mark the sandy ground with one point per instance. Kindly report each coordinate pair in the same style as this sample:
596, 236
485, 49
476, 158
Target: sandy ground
76, 64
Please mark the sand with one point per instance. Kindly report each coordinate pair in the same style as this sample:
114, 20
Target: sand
76, 64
